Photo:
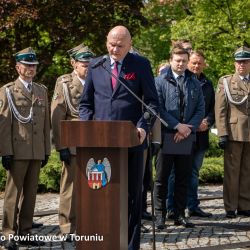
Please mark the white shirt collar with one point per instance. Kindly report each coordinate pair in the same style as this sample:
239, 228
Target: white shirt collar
112, 61
176, 75
80, 79
242, 77
24, 82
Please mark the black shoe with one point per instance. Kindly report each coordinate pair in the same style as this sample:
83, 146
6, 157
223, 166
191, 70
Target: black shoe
230, 214
170, 214
36, 225
34, 243
146, 215
160, 222
10, 244
182, 221
199, 213
244, 213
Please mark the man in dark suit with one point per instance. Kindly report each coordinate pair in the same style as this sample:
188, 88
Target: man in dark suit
182, 107
104, 98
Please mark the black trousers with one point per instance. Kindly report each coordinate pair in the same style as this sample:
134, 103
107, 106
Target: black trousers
183, 167
135, 176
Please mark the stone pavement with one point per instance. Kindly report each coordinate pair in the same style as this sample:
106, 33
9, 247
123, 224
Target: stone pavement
216, 232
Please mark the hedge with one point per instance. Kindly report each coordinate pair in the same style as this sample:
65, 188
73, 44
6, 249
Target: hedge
49, 181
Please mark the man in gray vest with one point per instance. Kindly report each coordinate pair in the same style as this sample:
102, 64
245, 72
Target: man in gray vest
64, 106
232, 120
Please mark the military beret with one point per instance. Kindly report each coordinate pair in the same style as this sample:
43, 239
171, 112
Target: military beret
26, 56
83, 55
72, 51
242, 53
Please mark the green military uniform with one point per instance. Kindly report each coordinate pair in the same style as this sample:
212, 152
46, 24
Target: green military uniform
25, 131
232, 112
64, 106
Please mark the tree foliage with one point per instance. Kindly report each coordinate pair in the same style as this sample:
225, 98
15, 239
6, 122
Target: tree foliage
216, 26
52, 27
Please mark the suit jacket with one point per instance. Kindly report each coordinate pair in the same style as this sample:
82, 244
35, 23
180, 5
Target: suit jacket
59, 108
30, 140
169, 98
99, 102
233, 120
202, 138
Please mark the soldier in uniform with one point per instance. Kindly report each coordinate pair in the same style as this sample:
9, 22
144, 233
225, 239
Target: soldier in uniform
232, 105
25, 130
67, 93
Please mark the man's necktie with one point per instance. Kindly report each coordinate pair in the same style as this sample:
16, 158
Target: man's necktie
29, 87
115, 73
245, 79
180, 82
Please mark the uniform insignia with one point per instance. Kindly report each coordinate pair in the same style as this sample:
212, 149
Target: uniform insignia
39, 100
1, 103
99, 173
55, 96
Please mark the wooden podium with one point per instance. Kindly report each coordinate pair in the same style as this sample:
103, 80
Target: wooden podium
102, 214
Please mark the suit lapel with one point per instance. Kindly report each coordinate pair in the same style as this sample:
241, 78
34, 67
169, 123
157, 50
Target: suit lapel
76, 82
107, 76
122, 73
24, 91
242, 85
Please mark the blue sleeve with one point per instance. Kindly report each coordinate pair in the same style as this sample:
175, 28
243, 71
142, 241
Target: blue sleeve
150, 96
168, 118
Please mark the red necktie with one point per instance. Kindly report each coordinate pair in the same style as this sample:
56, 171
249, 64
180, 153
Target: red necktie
115, 73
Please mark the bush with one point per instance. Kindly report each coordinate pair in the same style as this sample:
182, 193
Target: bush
212, 170
214, 150
49, 179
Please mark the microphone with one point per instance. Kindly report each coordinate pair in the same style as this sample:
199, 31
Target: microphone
146, 115
100, 62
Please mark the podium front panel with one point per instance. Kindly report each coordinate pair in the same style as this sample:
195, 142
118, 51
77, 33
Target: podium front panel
102, 214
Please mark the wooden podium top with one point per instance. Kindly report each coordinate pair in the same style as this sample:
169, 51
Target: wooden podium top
121, 134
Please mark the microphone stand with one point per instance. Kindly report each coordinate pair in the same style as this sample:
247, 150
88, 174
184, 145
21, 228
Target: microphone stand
148, 116
149, 119
148, 108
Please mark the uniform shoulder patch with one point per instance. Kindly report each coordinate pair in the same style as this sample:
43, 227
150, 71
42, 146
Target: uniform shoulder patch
65, 78
8, 84
40, 85
226, 76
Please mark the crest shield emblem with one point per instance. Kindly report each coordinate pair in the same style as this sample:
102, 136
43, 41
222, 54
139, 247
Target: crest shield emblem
98, 174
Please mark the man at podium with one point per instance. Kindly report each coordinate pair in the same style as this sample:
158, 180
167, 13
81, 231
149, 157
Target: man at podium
105, 98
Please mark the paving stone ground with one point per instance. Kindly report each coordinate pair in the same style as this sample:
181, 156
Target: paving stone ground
216, 232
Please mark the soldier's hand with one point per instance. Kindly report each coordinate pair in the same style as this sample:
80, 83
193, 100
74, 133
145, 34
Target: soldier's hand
45, 161
7, 161
155, 147
223, 141
65, 155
